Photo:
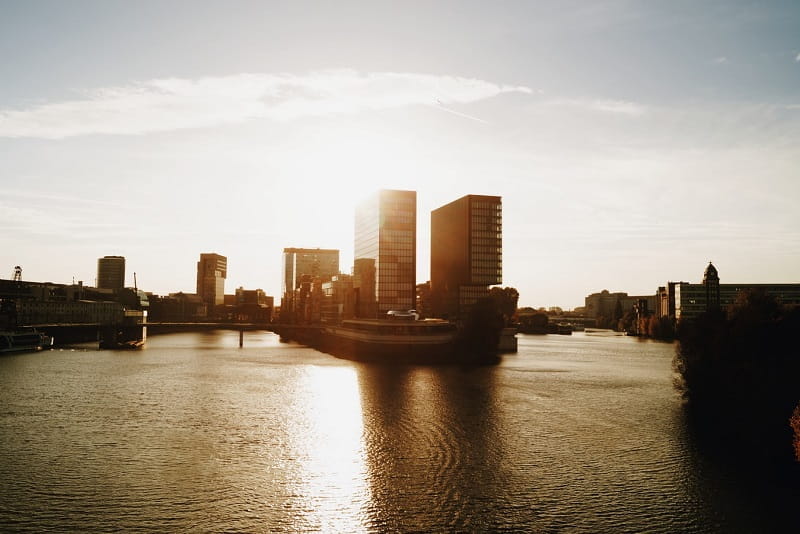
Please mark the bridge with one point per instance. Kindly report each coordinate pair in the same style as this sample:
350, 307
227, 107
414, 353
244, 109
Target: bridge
66, 333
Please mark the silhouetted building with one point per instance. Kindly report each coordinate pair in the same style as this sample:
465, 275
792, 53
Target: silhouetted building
212, 269
604, 303
690, 300
683, 300
665, 306
466, 253
608, 305
25, 303
385, 250
111, 272
177, 308
711, 283
424, 303
253, 296
252, 305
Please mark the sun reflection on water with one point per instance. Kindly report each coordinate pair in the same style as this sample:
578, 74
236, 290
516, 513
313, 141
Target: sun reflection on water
331, 489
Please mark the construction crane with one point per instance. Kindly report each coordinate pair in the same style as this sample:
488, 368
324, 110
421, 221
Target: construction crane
17, 274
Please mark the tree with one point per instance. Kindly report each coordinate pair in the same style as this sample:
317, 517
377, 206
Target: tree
739, 374
626, 322
660, 327
505, 300
794, 422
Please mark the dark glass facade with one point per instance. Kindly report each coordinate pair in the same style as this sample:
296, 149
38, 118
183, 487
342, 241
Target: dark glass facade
318, 262
385, 252
466, 252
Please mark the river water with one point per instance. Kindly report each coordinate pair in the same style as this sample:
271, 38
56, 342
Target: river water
578, 433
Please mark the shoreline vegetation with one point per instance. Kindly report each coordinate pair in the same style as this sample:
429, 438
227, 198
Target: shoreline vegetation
739, 373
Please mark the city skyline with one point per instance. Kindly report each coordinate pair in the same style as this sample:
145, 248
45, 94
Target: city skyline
630, 142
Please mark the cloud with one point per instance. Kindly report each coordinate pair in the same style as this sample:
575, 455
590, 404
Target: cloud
619, 107
721, 60
458, 113
176, 103
797, 57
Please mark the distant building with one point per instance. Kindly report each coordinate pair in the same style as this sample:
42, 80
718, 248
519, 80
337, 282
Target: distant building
35, 303
385, 253
253, 296
690, 300
252, 305
177, 308
304, 262
608, 305
111, 272
212, 269
665, 301
338, 301
466, 253
603, 304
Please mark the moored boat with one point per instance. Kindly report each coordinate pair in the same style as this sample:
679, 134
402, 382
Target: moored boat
29, 340
130, 333
391, 340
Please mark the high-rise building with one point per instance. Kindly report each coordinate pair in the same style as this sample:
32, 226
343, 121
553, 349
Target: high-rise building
111, 272
212, 269
385, 253
314, 263
466, 252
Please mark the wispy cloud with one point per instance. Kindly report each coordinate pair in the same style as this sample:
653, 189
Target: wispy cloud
797, 57
721, 60
175, 103
60, 200
458, 113
620, 107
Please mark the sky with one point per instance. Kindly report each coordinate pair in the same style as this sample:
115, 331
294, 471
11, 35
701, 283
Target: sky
631, 142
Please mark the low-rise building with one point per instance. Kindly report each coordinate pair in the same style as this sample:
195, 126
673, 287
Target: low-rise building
686, 300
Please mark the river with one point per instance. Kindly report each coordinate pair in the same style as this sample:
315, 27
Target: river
578, 433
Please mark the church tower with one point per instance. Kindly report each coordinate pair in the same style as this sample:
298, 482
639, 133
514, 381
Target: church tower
711, 282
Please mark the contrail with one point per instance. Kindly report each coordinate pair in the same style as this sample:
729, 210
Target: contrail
439, 105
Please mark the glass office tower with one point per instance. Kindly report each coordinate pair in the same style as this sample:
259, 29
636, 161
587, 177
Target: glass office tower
466, 252
385, 253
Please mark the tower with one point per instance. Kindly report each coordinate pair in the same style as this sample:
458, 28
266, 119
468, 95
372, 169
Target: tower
111, 272
466, 252
385, 252
212, 269
711, 283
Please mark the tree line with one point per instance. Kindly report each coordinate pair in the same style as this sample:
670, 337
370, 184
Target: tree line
740, 375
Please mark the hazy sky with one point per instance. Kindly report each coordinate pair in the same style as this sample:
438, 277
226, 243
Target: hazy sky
632, 142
